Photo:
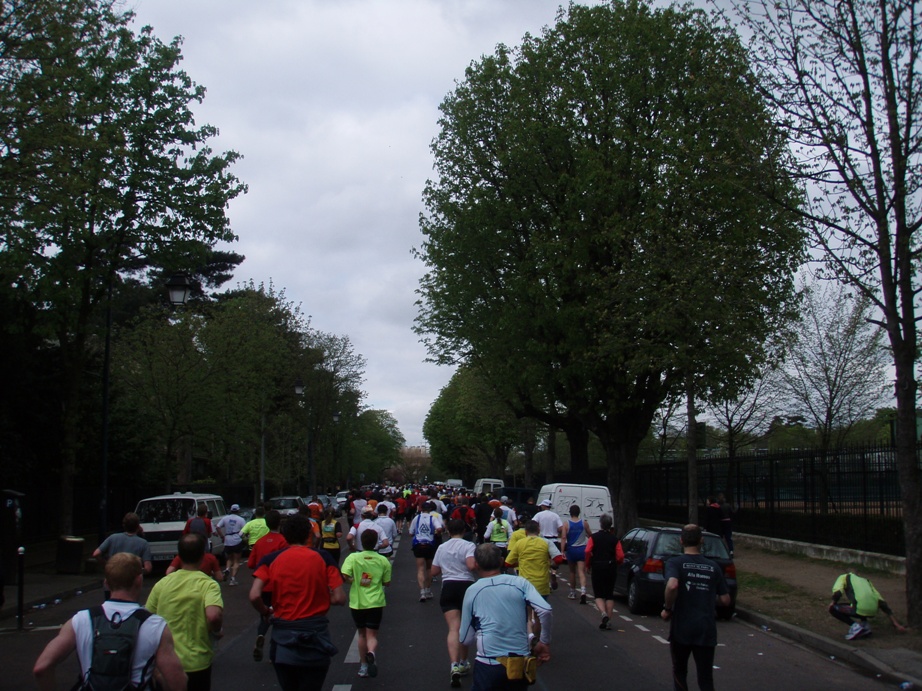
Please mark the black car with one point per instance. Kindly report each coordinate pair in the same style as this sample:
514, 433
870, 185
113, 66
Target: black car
646, 550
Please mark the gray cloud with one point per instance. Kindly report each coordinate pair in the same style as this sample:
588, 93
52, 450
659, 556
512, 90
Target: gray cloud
333, 104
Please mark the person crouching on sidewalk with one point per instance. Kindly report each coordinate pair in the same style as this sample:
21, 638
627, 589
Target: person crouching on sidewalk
863, 602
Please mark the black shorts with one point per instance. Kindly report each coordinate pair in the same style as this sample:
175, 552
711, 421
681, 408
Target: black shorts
603, 582
367, 618
234, 549
452, 596
424, 550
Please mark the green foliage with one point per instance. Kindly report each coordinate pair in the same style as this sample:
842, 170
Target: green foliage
470, 429
601, 225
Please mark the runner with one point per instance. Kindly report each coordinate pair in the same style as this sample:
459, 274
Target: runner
425, 529
577, 537
454, 560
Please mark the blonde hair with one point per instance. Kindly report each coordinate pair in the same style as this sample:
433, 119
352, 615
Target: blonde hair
122, 570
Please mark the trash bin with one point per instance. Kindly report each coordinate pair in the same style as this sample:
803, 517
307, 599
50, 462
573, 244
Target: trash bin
70, 554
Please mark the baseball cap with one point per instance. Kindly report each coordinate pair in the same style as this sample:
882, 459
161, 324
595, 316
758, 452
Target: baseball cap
545, 502
235, 507
504, 498
368, 511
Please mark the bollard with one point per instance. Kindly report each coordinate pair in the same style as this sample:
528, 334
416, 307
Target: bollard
20, 618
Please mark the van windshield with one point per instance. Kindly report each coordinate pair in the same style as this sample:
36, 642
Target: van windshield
166, 510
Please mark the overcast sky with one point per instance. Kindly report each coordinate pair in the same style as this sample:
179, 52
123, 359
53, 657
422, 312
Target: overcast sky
333, 104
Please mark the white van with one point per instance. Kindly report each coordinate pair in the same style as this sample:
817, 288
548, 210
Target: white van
487, 485
164, 517
593, 501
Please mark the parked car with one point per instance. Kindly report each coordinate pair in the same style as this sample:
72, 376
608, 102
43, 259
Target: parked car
646, 550
287, 506
342, 499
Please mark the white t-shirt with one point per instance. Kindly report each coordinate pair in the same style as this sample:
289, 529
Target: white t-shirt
421, 524
367, 524
148, 636
389, 527
452, 556
231, 525
550, 524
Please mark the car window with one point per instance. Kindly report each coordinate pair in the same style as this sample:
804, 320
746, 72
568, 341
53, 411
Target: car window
166, 510
669, 544
212, 506
285, 503
714, 547
631, 542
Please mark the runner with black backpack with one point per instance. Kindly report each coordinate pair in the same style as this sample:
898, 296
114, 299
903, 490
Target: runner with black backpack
120, 645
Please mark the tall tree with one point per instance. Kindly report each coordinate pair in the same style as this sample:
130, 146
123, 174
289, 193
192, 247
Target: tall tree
470, 428
101, 169
835, 372
599, 230
845, 76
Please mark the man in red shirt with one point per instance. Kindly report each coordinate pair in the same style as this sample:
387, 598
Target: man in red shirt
304, 583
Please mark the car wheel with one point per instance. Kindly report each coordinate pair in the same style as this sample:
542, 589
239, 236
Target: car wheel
634, 605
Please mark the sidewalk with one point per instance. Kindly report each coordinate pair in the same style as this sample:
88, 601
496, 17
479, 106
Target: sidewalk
43, 585
797, 611
797, 614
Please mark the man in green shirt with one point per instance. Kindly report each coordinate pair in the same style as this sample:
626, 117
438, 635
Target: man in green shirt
192, 605
369, 573
863, 602
256, 527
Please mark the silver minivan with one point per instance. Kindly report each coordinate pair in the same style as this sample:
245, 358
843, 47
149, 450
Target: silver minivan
164, 517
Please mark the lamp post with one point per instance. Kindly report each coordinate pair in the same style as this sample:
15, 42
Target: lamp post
179, 287
311, 473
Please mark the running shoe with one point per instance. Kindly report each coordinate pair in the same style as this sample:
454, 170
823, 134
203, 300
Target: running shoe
604, 625
372, 665
258, 649
226, 572
582, 598
429, 594
232, 581
853, 632
465, 667
363, 670
571, 595
455, 676
422, 596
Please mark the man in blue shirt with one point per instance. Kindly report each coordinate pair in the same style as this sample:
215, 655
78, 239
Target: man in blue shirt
494, 615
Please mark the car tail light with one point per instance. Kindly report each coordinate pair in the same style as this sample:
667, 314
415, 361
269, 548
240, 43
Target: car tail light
730, 571
653, 566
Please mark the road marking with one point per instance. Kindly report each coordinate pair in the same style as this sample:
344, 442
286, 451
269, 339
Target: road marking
661, 640
342, 687
642, 628
353, 654
626, 618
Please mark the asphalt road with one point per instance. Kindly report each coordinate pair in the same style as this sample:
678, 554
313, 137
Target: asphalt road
412, 652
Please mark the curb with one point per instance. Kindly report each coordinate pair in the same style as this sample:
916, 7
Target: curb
835, 650
9, 610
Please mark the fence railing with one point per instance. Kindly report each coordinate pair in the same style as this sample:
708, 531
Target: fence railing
845, 498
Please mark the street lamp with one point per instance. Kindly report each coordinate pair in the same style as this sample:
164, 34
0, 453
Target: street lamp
179, 287
312, 477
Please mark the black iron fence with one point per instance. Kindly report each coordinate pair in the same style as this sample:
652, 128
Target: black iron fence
845, 498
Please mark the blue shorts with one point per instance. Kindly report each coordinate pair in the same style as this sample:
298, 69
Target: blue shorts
576, 554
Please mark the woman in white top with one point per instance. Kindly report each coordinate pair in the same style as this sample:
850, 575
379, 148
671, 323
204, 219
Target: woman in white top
454, 560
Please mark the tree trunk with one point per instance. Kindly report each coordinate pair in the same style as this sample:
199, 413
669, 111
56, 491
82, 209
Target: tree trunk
692, 453
910, 483
551, 461
621, 458
578, 439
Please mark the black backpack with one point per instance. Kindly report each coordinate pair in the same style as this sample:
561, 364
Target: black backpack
114, 642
